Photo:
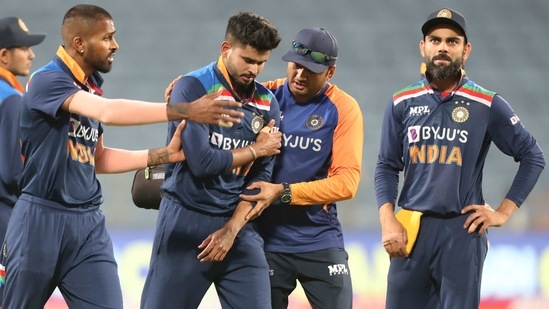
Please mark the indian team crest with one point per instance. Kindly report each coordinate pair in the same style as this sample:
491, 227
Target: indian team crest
257, 123
22, 25
460, 114
444, 13
314, 122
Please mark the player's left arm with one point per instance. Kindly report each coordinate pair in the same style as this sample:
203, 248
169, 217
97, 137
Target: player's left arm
114, 160
483, 216
513, 139
216, 245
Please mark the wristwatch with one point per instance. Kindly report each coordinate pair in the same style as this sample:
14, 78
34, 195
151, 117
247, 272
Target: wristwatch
286, 196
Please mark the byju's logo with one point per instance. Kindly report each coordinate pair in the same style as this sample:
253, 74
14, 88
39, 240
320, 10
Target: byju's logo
514, 120
338, 269
413, 134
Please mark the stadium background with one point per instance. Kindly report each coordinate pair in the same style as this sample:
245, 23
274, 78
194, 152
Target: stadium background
378, 55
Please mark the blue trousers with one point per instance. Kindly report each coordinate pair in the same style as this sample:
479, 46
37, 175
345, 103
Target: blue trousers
49, 245
443, 271
177, 279
5, 213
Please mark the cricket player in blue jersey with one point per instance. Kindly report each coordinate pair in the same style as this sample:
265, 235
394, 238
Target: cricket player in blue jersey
438, 131
319, 165
202, 236
56, 236
16, 57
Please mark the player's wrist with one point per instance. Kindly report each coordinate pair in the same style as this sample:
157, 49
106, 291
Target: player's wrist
177, 111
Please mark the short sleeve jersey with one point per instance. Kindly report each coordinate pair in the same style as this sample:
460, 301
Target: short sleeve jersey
58, 146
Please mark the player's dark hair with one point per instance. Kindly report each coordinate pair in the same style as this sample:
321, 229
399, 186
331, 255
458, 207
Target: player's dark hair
87, 13
248, 28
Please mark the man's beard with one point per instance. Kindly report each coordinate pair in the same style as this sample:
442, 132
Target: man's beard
100, 65
240, 87
440, 72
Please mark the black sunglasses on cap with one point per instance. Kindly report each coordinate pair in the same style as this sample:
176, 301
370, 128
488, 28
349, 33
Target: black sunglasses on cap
317, 56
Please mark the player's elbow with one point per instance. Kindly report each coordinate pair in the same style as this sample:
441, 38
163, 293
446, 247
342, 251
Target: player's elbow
107, 117
348, 192
202, 170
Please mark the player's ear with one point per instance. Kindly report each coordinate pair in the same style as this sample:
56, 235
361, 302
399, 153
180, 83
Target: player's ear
331, 71
225, 49
467, 51
4, 53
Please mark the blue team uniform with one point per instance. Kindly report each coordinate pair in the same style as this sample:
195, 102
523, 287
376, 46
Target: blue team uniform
200, 195
441, 143
321, 158
10, 149
60, 198
11, 163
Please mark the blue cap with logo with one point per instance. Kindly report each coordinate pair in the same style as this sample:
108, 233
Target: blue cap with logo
445, 16
313, 48
14, 33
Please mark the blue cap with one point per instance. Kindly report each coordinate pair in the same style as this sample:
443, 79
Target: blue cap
445, 16
315, 39
14, 33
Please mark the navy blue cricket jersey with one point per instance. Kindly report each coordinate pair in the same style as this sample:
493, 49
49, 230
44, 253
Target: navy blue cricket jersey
204, 182
441, 143
321, 158
59, 155
10, 143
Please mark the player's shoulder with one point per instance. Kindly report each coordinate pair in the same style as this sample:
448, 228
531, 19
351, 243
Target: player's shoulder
46, 78
411, 89
7, 90
474, 91
274, 84
340, 97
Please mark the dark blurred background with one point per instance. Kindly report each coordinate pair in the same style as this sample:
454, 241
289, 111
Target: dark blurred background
378, 55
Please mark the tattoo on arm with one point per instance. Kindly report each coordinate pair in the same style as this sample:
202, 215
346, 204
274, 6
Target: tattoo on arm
177, 111
157, 156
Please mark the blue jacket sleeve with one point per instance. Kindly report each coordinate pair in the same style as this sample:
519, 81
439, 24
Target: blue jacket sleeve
11, 164
203, 159
512, 138
390, 161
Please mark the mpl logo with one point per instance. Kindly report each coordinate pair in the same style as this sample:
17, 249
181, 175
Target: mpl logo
338, 269
419, 110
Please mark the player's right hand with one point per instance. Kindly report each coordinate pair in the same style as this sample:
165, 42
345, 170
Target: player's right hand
268, 141
268, 193
394, 238
207, 109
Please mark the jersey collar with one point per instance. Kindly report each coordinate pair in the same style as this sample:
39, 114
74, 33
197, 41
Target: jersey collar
10, 78
94, 82
225, 73
73, 66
